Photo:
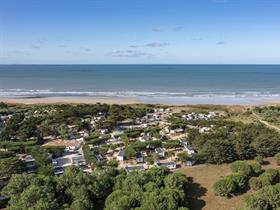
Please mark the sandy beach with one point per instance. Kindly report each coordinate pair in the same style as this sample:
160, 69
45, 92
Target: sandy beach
70, 100
127, 100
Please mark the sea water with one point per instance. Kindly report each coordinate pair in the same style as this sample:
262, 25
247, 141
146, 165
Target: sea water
175, 84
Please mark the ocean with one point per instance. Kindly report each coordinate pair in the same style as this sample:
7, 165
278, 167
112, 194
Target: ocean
175, 84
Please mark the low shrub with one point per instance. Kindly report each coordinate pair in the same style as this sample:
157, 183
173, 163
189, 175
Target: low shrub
277, 158
269, 177
239, 181
241, 167
260, 159
255, 183
224, 187
256, 168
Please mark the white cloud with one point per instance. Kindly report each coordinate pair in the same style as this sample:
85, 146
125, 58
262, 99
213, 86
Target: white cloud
220, 43
129, 53
156, 44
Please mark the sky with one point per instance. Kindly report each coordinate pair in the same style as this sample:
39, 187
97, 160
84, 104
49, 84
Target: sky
139, 31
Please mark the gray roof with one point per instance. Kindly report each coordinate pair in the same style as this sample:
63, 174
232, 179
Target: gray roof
58, 170
79, 160
158, 150
121, 153
134, 168
166, 163
61, 161
97, 156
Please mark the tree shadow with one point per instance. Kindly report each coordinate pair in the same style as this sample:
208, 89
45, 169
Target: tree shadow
241, 191
194, 192
266, 162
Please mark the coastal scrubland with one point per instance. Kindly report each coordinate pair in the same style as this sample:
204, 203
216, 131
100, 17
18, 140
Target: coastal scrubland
201, 193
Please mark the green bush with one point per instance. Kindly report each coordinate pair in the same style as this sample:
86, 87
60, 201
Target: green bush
255, 183
113, 163
256, 168
259, 159
10, 166
277, 158
224, 187
133, 133
266, 198
6, 154
273, 173
172, 144
17, 145
129, 152
241, 167
265, 179
269, 177
239, 180
89, 158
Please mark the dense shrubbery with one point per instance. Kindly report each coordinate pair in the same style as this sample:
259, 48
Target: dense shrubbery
230, 185
153, 189
129, 152
270, 114
245, 175
96, 140
277, 158
53, 119
267, 198
88, 155
269, 177
133, 133
6, 154
241, 167
231, 141
224, 187
172, 144
237, 182
255, 183
256, 168
72, 190
10, 166
260, 159
18, 146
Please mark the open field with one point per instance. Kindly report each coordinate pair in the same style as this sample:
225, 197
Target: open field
203, 177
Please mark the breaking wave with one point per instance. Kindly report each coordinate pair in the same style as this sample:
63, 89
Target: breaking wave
155, 94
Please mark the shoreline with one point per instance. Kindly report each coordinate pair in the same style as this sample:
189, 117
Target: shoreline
130, 100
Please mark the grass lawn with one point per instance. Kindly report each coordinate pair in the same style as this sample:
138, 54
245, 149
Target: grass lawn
201, 193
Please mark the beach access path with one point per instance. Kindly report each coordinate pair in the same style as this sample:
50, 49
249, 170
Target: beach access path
266, 123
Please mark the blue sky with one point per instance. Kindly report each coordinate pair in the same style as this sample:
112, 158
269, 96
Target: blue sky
139, 31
